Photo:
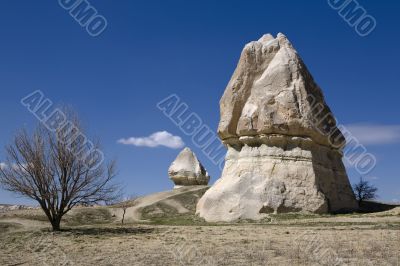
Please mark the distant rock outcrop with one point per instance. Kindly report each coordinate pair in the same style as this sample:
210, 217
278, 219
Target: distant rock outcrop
186, 170
284, 149
7, 208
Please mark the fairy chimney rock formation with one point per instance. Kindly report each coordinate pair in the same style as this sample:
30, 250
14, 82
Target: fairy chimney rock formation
186, 170
284, 148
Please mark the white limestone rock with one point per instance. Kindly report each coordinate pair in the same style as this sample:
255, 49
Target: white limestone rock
186, 170
284, 149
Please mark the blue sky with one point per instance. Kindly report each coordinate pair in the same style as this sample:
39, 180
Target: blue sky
151, 49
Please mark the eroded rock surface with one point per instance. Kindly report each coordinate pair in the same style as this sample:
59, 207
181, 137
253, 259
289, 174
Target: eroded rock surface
284, 149
187, 170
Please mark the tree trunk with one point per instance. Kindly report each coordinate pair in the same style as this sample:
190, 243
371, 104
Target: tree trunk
55, 224
123, 216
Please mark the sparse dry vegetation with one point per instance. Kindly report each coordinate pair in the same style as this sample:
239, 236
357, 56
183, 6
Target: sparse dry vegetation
92, 236
171, 234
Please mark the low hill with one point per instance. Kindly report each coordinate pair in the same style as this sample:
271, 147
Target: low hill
163, 205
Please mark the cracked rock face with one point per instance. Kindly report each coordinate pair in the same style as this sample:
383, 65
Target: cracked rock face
186, 170
284, 149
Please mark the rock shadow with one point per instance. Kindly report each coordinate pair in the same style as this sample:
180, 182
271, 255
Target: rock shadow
373, 206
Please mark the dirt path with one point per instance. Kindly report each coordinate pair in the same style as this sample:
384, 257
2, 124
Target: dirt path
135, 213
176, 205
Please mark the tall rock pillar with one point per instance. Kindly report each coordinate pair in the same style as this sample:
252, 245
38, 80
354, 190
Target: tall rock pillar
284, 149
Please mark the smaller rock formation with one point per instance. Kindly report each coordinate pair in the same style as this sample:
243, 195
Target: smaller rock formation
186, 170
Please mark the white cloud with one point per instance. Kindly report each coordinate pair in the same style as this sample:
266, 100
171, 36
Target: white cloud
370, 134
161, 138
3, 165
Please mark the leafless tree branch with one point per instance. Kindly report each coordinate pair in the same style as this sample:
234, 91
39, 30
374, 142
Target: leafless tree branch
57, 170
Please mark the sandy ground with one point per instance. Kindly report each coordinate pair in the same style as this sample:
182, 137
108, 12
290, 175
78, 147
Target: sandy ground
344, 240
92, 236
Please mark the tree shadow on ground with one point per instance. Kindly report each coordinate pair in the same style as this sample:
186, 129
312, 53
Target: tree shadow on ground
96, 231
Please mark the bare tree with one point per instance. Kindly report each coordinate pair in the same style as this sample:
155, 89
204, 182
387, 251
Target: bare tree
364, 191
124, 202
58, 170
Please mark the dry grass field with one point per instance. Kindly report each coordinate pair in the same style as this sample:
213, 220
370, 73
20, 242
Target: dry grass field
92, 236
